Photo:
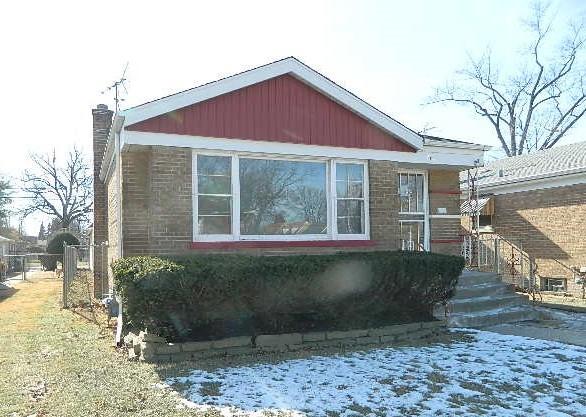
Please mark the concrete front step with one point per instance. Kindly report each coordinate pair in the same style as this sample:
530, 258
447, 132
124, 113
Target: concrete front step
475, 278
493, 317
474, 304
482, 290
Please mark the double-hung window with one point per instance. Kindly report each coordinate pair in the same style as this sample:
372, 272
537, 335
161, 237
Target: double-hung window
250, 197
214, 195
350, 214
413, 211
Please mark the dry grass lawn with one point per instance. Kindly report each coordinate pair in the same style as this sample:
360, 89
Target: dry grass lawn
54, 362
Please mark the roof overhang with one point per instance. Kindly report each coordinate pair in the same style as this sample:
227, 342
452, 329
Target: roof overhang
290, 66
473, 207
536, 182
456, 145
109, 152
427, 157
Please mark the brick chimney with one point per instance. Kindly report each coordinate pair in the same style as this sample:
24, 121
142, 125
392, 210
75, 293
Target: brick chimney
102, 119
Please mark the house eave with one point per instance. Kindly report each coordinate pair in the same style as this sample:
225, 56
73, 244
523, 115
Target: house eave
450, 158
535, 182
109, 152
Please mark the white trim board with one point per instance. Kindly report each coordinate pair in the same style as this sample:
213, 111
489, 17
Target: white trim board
425, 158
290, 66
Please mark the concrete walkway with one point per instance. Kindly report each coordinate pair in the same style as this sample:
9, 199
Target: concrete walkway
565, 327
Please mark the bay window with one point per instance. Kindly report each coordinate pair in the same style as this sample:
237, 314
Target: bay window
249, 197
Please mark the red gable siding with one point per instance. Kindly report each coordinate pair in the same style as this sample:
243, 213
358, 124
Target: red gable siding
281, 109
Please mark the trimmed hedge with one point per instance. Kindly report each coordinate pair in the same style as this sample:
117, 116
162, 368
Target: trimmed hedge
55, 250
214, 296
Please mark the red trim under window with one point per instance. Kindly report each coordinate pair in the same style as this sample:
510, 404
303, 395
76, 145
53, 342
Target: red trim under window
272, 244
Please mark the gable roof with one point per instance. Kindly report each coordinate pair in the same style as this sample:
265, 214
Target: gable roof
5, 239
290, 66
550, 163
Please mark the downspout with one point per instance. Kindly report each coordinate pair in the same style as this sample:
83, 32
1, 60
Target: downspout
119, 192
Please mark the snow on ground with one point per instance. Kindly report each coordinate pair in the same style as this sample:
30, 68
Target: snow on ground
486, 374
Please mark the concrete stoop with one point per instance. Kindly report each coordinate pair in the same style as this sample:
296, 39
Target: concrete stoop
481, 300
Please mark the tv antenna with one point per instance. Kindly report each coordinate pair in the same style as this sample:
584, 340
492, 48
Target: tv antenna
115, 86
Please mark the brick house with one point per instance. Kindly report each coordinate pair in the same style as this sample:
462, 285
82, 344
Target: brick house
275, 159
539, 201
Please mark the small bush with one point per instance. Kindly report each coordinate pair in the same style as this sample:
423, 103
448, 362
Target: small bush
215, 296
55, 250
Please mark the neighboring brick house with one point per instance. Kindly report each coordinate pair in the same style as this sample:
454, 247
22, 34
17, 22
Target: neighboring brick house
275, 159
539, 200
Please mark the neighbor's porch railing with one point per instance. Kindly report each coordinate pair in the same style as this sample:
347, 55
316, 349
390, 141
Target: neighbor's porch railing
493, 253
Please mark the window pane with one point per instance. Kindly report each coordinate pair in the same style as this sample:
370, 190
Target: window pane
214, 165
411, 193
349, 172
404, 192
419, 190
350, 216
349, 189
350, 225
412, 236
213, 185
214, 225
208, 205
349, 208
282, 197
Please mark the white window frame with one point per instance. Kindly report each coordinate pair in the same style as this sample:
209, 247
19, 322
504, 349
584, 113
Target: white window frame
425, 213
331, 209
365, 197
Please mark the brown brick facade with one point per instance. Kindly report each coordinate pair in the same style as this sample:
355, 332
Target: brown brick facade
444, 193
551, 226
384, 203
102, 118
157, 202
157, 207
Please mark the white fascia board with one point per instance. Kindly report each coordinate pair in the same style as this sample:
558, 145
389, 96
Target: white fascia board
109, 152
286, 66
457, 145
534, 184
421, 158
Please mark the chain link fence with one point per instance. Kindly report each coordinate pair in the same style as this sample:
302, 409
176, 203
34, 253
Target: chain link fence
81, 275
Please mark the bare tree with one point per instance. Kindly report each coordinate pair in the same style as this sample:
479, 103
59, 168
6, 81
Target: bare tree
536, 107
5, 201
61, 191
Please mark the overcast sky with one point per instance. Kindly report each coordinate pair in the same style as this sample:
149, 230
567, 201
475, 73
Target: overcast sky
59, 56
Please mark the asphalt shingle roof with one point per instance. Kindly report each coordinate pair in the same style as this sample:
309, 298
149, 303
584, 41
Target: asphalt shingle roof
549, 162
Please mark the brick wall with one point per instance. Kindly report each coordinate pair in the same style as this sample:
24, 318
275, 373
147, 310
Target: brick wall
113, 221
102, 118
157, 206
550, 224
384, 203
157, 212
444, 192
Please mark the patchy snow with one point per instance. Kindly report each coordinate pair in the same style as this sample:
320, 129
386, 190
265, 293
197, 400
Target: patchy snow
492, 374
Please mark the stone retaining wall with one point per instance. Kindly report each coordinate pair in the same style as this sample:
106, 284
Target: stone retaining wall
150, 348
